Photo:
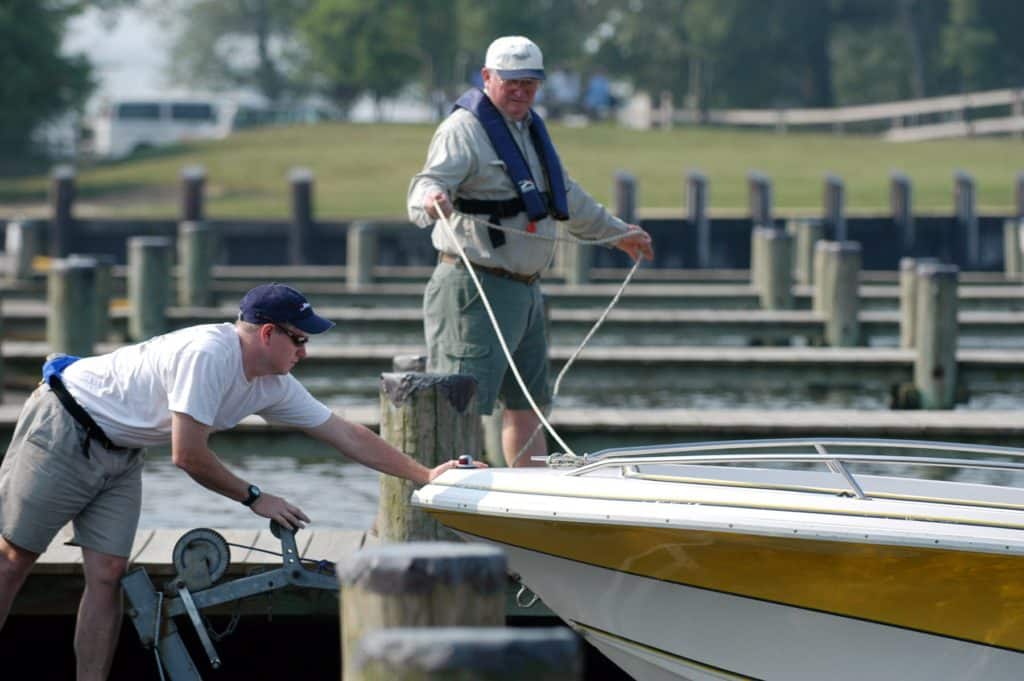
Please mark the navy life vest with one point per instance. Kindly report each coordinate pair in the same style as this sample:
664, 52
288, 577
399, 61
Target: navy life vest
537, 205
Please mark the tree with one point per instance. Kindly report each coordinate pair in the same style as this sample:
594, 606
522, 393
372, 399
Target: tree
39, 83
236, 44
358, 46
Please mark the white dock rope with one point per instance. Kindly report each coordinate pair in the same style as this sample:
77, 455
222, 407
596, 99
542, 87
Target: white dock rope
544, 423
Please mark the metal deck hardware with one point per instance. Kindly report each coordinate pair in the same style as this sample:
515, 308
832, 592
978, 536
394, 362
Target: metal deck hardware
201, 558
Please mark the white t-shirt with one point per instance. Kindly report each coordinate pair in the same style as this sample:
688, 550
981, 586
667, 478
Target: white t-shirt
132, 391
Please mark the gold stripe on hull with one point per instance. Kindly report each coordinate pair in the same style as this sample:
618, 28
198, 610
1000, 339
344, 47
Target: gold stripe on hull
977, 597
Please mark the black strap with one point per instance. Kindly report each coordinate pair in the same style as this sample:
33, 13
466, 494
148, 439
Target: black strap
92, 429
495, 210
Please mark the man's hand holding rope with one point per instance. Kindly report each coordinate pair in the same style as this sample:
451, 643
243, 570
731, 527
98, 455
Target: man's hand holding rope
636, 244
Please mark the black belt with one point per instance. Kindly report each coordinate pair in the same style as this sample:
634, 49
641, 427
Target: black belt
527, 279
92, 429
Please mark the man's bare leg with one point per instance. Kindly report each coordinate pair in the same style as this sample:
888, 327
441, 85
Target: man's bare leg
517, 427
15, 564
99, 614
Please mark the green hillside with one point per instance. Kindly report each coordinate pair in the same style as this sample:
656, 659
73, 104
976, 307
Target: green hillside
364, 170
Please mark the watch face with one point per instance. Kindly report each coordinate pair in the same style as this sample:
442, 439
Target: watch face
254, 494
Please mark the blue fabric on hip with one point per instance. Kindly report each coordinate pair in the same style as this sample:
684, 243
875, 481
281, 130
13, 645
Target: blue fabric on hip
56, 365
477, 103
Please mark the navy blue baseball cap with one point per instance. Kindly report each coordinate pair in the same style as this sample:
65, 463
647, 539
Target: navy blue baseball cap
277, 303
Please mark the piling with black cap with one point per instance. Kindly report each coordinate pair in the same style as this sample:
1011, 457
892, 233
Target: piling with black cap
149, 287
481, 654
697, 197
301, 228
71, 305
966, 215
901, 206
419, 584
62, 199
835, 206
193, 184
433, 418
760, 196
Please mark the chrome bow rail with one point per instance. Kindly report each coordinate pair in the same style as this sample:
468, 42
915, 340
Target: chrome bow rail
833, 452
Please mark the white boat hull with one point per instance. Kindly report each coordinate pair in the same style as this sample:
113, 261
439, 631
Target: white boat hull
700, 634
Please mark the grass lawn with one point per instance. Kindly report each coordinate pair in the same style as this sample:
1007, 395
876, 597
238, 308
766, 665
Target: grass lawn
364, 170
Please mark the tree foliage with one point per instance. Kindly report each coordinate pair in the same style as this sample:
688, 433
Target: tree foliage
235, 44
39, 83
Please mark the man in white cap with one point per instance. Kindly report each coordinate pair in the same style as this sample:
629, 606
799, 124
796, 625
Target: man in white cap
76, 453
493, 161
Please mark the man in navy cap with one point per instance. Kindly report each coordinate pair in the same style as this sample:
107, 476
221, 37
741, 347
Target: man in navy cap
493, 161
76, 453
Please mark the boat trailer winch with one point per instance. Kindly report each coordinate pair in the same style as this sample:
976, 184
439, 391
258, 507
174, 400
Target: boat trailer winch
201, 558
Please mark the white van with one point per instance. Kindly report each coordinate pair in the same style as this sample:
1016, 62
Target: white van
124, 126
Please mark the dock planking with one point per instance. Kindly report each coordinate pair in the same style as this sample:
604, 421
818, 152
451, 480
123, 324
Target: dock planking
55, 583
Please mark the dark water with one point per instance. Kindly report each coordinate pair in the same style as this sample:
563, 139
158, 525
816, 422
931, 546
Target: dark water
331, 492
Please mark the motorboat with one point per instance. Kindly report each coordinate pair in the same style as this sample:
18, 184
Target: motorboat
794, 559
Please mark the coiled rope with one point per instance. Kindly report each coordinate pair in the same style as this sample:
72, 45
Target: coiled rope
544, 423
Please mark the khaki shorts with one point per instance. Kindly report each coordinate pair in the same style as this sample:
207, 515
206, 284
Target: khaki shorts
46, 481
461, 340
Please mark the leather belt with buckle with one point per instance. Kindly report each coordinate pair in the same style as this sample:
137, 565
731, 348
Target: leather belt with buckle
527, 279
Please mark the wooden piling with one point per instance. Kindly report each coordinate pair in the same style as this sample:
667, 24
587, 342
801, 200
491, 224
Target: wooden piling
432, 418
575, 262
62, 198
195, 264
301, 228
820, 294
775, 268
908, 299
71, 304
193, 182
409, 363
966, 216
419, 584
149, 274
361, 256
103, 290
481, 654
935, 369
1012, 247
806, 233
697, 198
841, 303
835, 207
21, 243
901, 200
625, 196
760, 197
1018, 196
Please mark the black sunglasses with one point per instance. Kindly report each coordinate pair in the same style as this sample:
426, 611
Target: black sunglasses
297, 340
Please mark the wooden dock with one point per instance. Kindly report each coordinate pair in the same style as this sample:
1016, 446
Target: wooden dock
55, 584
26, 320
623, 369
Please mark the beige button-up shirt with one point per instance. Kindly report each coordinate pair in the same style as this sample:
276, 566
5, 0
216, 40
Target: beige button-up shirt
462, 162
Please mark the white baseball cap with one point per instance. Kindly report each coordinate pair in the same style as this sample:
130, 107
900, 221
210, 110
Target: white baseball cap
514, 57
